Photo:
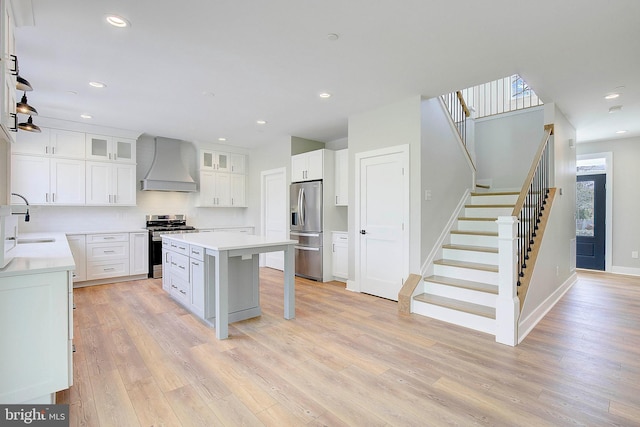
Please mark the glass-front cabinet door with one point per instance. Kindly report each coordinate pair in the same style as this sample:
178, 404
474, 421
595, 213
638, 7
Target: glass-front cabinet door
109, 148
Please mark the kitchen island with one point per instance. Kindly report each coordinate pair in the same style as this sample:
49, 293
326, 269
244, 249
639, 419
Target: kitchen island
230, 265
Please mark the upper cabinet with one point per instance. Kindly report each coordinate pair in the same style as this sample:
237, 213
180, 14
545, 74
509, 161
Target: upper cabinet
307, 166
222, 179
342, 170
52, 142
222, 162
8, 73
110, 148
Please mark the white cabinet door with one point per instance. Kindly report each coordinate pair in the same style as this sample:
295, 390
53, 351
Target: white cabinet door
109, 148
77, 243
124, 184
237, 190
67, 179
197, 286
8, 73
98, 176
342, 176
30, 178
340, 252
237, 163
298, 167
222, 189
207, 189
34, 361
138, 253
215, 161
32, 143
307, 166
66, 143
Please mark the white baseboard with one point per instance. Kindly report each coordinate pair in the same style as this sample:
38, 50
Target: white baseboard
625, 270
352, 286
526, 325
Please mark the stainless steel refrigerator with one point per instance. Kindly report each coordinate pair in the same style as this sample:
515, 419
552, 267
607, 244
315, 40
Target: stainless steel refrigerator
305, 223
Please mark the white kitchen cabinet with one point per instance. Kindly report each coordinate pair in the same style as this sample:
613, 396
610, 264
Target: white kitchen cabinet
110, 148
110, 184
237, 191
51, 142
37, 329
340, 250
222, 189
77, 243
214, 161
342, 177
307, 166
196, 280
107, 255
237, 163
138, 253
48, 181
8, 73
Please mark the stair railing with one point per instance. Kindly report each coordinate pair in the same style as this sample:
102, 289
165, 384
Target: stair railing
515, 237
459, 111
532, 200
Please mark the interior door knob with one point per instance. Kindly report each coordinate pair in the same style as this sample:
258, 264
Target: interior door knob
363, 231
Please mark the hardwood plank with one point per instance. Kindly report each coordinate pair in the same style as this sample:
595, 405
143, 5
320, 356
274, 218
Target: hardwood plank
151, 405
113, 406
190, 409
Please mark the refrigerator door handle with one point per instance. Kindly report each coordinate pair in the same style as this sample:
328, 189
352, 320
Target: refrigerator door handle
302, 207
295, 233
307, 248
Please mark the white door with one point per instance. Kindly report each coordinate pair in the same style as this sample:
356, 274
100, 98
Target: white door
383, 222
274, 213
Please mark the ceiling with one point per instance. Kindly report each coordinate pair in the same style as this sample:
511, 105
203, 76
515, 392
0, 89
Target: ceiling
200, 70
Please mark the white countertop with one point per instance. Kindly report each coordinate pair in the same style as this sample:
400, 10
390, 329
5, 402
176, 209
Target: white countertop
221, 241
29, 258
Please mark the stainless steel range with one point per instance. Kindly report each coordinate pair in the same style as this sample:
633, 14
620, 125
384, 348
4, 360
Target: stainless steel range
157, 226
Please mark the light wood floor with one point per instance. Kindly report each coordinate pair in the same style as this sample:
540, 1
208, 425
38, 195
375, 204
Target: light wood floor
350, 359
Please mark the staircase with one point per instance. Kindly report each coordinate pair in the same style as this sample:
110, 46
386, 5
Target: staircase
464, 286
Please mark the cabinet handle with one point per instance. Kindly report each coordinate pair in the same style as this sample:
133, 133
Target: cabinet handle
14, 71
53, 197
53, 150
115, 198
46, 197
109, 269
333, 247
197, 264
108, 238
174, 287
15, 122
109, 252
46, 150
182, 292
181, 267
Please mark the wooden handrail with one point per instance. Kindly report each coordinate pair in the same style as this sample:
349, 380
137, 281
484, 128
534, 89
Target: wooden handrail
548, 131
467, 113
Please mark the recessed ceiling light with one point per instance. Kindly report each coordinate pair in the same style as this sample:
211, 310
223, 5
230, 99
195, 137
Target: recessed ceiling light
117, 21
86, 116
620, 132
612, 96
325, 95
333, 36
97, 84
222, 139
615, 109
261, 122
207, 93
72, 92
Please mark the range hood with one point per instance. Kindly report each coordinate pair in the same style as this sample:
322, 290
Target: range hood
167, 172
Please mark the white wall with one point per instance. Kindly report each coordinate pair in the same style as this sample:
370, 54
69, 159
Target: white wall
626, 199
388, 126
445, 172
555, 265
505, 145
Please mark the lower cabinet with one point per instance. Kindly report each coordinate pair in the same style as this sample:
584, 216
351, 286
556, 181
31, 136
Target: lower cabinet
103, 256
37, 329
340, 250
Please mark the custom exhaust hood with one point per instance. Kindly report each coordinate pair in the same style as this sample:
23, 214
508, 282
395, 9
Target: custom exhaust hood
167, 172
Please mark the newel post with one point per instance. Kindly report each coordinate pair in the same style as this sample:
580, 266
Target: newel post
508, 304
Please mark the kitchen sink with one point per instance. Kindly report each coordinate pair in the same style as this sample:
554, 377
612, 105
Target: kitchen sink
36, 240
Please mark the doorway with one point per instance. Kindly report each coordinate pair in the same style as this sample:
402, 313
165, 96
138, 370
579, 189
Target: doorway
382, 215
274, 213
590, 221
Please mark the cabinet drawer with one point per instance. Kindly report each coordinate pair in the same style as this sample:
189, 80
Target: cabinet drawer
180, 247
105, 269
179, 266
179, 289
340, 238
102, 238
107, 251
196, 252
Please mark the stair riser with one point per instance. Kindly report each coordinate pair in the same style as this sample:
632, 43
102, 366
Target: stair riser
466, 274
471, 321
502, 199
473, 240
470, 256
479, 212
468, 225
461, 294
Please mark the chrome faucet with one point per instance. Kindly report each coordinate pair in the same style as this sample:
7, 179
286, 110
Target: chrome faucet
26, 216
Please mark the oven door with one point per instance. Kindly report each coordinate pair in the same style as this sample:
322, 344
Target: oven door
155, 257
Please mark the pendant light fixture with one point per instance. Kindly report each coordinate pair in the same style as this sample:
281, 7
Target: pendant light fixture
24, 108
23, 84
29, 126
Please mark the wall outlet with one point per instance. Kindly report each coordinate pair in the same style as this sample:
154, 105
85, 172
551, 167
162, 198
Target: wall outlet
634, 254
557, 270
427, 195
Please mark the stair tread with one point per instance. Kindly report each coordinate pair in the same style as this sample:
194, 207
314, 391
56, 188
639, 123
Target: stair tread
476, 233
471, 248
467, 307
466, 284
474, 218
496, 205
465, 264
497, 193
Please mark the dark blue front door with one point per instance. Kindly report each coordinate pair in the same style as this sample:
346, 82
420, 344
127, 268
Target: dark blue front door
590, 221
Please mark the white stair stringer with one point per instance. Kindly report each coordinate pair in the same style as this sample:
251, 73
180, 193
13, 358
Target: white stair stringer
463, 289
